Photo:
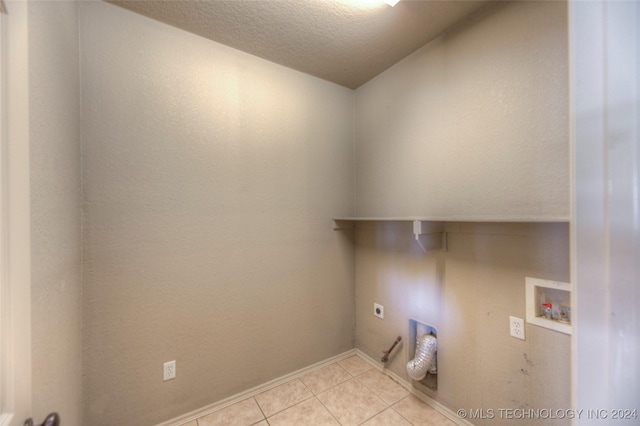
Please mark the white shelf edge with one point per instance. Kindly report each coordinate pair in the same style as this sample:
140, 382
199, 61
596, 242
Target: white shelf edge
505, 219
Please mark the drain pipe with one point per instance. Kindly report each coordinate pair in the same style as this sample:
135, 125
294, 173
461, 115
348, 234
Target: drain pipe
385, 358
425, 359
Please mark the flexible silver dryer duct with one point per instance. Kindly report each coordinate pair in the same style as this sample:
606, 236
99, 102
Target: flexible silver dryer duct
425, 359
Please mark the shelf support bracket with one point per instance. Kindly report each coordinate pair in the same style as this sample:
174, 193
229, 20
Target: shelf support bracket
417, 228
430, 228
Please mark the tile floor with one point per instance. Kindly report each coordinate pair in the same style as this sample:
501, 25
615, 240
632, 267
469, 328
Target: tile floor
348, 392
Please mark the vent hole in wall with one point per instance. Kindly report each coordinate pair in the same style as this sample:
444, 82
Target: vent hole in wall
416, 329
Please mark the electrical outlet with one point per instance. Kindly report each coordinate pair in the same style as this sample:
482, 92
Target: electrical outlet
169, 371
516, 327
378, 310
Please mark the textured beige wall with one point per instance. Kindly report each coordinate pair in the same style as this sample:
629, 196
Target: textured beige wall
210, 178
55, 210
468, 294
473, 124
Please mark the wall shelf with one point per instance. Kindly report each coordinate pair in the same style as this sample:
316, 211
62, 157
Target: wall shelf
433, 232
493, 219
433, 228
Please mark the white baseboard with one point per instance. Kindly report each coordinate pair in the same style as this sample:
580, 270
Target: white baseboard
5, 419
186, 418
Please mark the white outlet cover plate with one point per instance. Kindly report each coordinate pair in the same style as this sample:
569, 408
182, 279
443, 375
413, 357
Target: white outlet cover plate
169, 370
378, 310
516, 327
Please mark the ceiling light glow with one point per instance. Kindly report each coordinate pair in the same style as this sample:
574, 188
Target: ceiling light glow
391, 2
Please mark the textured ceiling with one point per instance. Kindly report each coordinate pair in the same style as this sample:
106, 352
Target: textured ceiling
336, 40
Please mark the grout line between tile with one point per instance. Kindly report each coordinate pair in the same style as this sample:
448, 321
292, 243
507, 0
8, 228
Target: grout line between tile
291, 406
376, 414
328, 411
399, 413
335, 362
219, 405
450, 415
260, 408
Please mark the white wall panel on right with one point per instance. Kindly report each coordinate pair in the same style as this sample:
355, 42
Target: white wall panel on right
605, 103
473, 124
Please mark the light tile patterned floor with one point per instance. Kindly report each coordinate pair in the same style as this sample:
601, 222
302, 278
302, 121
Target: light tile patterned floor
348, 393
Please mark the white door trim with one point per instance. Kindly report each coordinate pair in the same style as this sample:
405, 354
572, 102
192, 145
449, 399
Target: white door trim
15, 279
605, 103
